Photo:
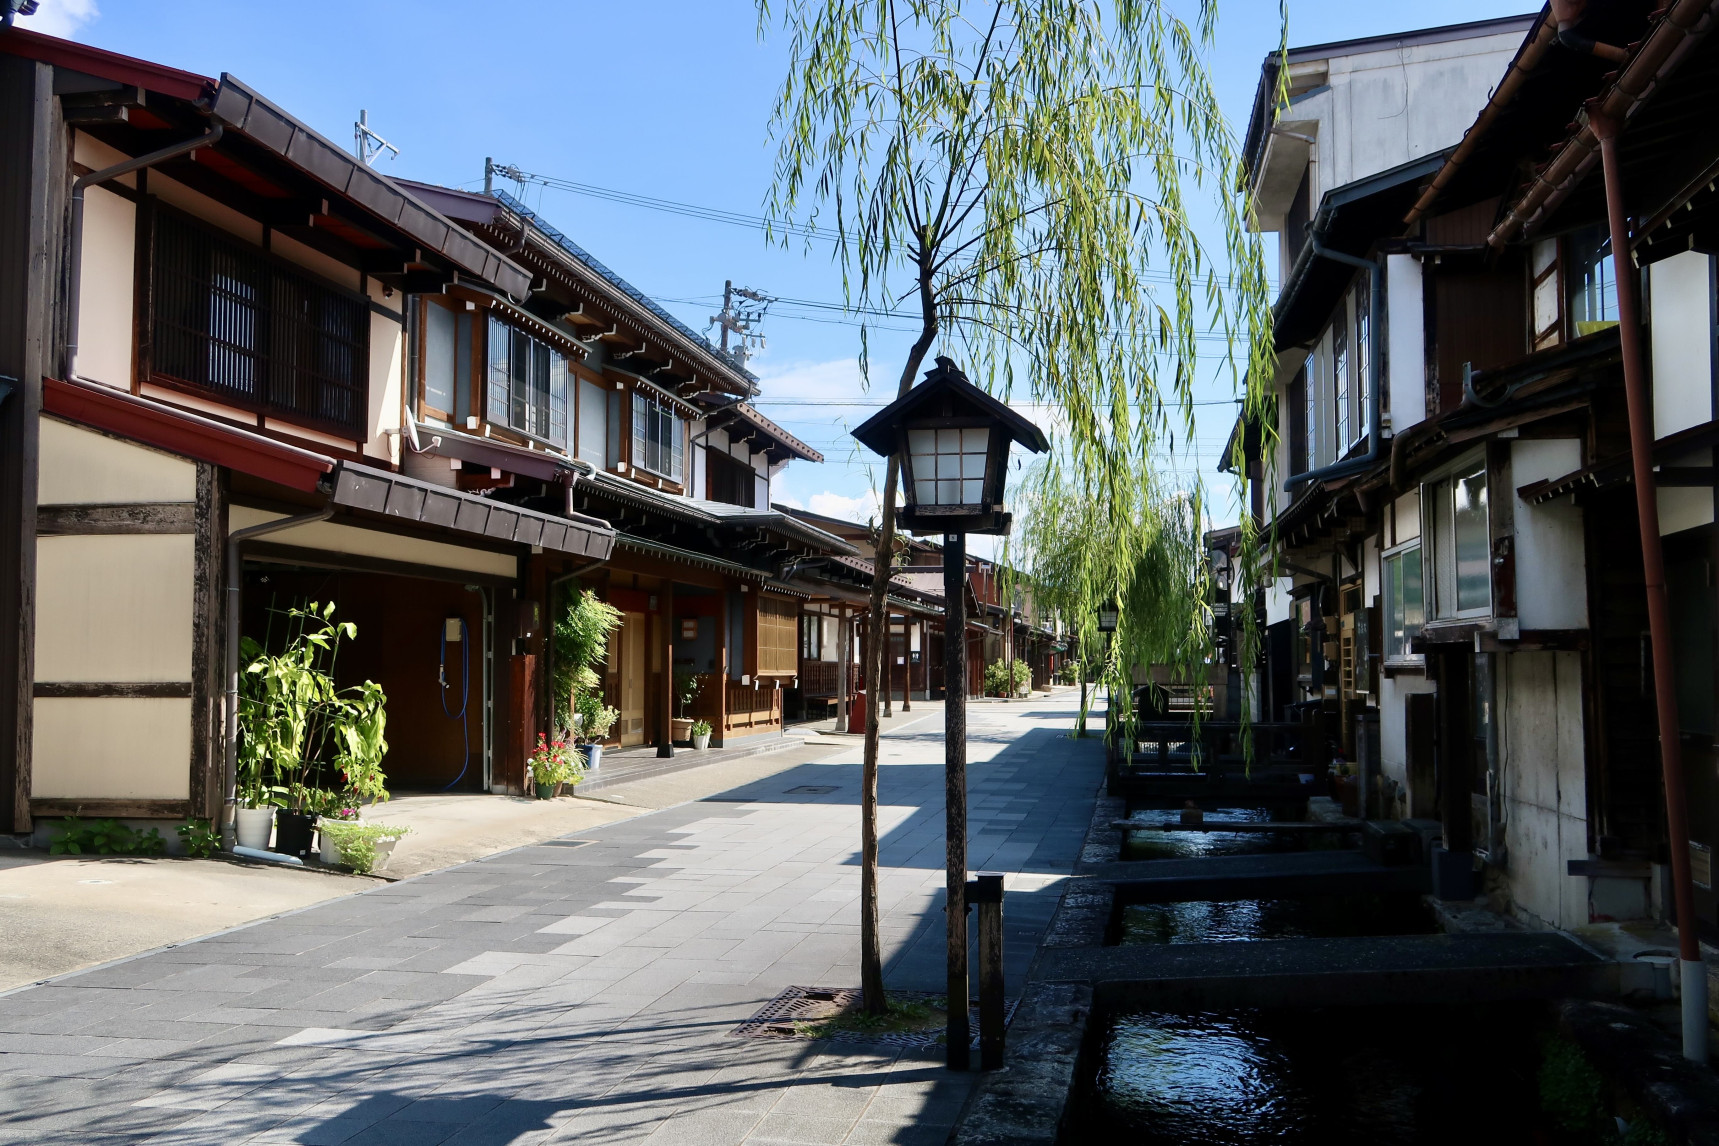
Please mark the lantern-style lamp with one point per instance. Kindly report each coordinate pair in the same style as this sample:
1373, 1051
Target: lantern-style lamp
953, 440
1107, 614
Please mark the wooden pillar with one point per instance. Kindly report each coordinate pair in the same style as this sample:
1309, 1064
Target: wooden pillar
719, 734
886, 678
987, 898
907, 629
955, 796
665, 737
845, 645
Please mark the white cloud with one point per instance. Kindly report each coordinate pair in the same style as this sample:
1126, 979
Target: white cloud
862, 509
63, 18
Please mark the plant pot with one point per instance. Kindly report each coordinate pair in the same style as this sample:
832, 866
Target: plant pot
384, 849
327, 849
255, 825
593, 756
680, 729
701, 741
293, 832
546, 791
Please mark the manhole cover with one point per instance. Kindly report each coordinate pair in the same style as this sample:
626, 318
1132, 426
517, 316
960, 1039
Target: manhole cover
785, 1016
564, 843
812, 790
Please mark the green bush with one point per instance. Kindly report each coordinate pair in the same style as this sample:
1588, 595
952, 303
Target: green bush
105, 838
356, 842
997, 678
200, 837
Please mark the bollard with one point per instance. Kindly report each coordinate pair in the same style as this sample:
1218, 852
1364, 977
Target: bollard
986, 895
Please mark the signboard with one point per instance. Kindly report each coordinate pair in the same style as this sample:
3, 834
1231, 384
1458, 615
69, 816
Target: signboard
689, 628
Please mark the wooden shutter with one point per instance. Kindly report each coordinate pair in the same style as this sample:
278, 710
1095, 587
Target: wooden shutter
778, 633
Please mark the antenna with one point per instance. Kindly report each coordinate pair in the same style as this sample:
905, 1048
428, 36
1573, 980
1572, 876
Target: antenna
738, 319
366, 144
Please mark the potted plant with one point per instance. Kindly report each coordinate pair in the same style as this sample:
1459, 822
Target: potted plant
701, 734
313, 747
362, 847
686, 688
551, 766
595, 720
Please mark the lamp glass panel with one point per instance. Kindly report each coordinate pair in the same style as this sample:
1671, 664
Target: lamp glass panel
924, 467
973, 465
972, 491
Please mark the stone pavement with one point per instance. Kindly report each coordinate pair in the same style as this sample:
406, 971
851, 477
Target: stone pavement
578, 990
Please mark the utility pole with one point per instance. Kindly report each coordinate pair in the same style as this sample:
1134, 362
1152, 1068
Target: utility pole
739, 317
366, 144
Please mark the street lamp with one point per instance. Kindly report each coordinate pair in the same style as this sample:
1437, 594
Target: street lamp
952, 440
1107, 617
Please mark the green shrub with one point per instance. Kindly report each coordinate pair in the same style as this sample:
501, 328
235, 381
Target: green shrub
356, 842
701, 728
1571, 1090
997, 678
200, 837
105, 838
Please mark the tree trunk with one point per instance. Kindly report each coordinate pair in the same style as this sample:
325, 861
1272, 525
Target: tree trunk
1080, 673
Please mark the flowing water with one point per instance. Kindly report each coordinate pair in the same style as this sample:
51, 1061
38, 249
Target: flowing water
1315, 917
1336, 1077
1193, 845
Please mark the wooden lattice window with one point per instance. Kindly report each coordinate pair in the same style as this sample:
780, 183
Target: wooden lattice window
229, 320
778, 637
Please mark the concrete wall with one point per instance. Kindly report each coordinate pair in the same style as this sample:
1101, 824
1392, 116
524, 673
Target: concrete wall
1551, 557
1541, 748
112, 609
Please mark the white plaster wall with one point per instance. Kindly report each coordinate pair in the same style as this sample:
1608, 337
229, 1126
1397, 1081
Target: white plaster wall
1545, 785
1685, 507
1680, 297
115, 748
82, 467
114, 607
1393, 725
1278, 600
105, 311
387, 348
1551, 561
373, 543
1405, 342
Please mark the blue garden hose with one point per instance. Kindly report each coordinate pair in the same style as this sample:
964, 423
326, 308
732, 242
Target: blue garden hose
465, 695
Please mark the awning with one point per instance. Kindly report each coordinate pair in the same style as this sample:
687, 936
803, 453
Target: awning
690, 557
378, 491
445, 442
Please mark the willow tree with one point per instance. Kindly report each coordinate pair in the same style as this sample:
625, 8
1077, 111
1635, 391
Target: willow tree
1015, 177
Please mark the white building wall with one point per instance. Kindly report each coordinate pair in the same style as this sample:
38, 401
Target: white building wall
1541, 746
1393, 730
1551, 558
105, 308
1405, 343
1680, 294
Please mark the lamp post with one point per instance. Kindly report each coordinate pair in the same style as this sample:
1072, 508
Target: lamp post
953, 441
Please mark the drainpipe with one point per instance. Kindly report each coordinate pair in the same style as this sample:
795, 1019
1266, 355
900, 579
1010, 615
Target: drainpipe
102, 176
1694, 970
1375, 363
235, 583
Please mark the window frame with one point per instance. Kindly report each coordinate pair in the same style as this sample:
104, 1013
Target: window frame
529, 378
152, 213
1400, 555
1441, 568
651, 412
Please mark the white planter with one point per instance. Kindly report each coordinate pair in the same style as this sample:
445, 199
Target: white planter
327, 848
256, 825
593, 756
384, 849
701, 742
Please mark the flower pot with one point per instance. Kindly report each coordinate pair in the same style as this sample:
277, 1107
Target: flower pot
327, 849
546, 791
701, 741
255, 825
384, 849
680, 729
593, 756
293, 832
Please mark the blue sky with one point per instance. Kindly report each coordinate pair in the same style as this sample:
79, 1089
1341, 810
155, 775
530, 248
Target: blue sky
666, 99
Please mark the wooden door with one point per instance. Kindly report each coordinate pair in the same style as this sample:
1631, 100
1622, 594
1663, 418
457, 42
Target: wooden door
634, 627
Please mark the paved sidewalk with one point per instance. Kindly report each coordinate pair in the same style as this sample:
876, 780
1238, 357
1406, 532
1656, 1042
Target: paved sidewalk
573, 991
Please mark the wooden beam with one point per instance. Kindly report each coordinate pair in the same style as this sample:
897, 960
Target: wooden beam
113, 809
138, 517
133, 690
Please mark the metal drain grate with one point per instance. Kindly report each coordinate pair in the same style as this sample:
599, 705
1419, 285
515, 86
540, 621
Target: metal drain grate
812, 790
778, 1018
